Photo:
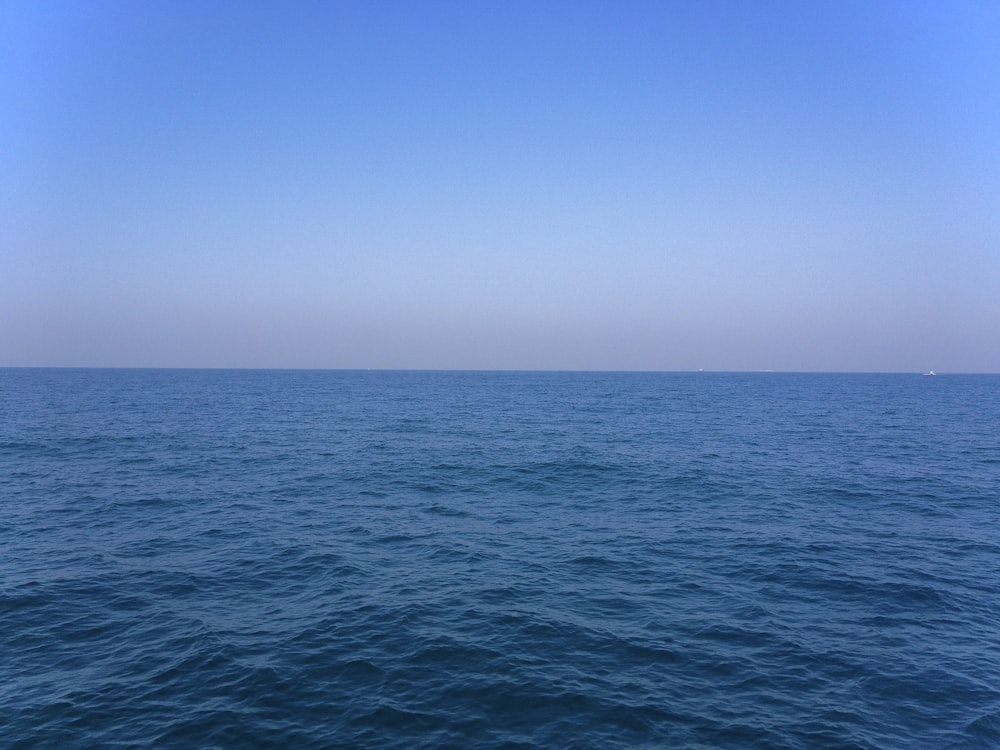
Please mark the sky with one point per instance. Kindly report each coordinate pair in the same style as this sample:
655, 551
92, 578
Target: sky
807, 186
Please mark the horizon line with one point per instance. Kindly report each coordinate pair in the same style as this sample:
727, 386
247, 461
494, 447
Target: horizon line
491, 370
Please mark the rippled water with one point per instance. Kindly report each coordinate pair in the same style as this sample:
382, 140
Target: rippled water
485, 560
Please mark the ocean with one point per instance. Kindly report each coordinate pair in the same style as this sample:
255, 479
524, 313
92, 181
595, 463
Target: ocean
353, 559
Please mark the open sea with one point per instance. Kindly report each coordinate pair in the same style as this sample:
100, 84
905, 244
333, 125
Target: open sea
346, 559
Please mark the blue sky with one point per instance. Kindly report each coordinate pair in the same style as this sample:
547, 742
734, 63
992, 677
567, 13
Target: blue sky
508, 185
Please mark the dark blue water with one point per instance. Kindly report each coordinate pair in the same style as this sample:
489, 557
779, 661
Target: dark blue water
486, 560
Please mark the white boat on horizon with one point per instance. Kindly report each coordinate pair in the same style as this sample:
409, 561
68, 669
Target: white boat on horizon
930, 372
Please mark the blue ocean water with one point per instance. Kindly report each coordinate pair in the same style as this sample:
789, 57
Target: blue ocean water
498, 560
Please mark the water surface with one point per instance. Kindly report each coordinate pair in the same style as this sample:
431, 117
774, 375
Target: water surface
484, 560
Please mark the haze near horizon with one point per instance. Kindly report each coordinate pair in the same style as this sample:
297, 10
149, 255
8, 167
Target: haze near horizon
554, 185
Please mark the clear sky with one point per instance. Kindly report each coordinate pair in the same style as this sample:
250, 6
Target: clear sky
800, 185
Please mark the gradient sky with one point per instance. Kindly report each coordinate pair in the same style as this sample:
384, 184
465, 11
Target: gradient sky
501, 185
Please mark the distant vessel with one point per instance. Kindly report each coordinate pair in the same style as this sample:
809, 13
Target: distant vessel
930, 372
